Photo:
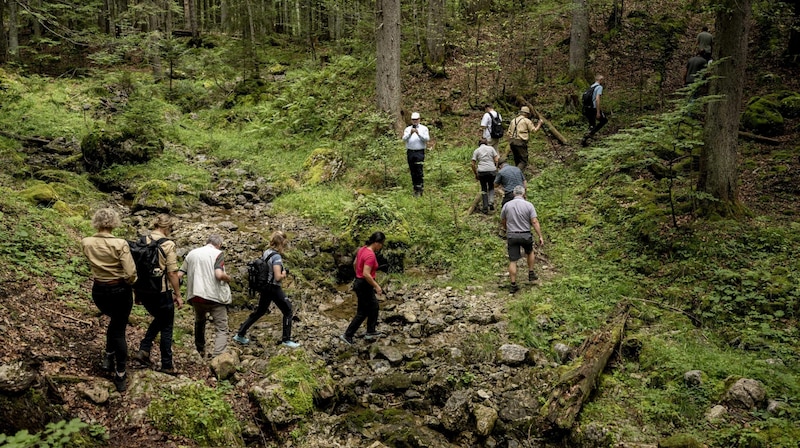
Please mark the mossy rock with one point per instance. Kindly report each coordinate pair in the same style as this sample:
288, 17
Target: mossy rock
101, 149
64, 209
680, 441
763, 117
323, 165
155, 195
40, 194
790, 105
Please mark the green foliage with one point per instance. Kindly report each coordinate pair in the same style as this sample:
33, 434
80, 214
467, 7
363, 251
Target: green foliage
197, 412
55, 435
299, 377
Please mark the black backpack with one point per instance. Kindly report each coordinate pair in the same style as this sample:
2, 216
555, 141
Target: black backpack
259, 274
496, 130
588, 98
148, 269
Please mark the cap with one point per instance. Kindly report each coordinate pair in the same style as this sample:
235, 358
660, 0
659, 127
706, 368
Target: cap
525, 110
415, 116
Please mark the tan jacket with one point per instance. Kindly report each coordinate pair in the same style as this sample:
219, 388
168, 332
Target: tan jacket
109, 258
521, 128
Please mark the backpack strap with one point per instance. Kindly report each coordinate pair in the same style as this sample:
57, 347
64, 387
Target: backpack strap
516, 125
266, 260
159, 242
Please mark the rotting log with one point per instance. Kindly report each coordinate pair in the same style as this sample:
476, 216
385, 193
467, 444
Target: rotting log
34, 141
546, 122
575, 386
759, 138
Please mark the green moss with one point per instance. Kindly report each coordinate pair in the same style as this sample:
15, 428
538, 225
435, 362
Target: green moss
40, 194
323, 165
299, 378
156, 195
763, 116
680, 441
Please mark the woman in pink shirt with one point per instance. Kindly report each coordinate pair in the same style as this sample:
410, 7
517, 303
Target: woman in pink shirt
366, 288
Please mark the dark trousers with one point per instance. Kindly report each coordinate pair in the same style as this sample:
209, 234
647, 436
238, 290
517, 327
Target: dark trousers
162, 308
486, 178
367, 308
115, 301
520, 153
415, 163
272, 293
595, 124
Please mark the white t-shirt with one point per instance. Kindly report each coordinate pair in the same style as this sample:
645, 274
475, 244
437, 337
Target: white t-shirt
486, 123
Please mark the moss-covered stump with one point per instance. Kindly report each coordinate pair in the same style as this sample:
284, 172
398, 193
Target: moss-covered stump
763, 116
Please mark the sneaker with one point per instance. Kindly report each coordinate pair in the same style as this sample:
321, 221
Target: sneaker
107, 363
532, 276
241, 339
347, 340
169, 370
142, 356
120, 381
514, 288
373, 336
290, 344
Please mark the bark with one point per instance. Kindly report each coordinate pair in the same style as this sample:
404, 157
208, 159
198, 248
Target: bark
193, 19
3, 41
718, 158
13, 30
575, 386
579, 40
387, 79
793, 47
434, 36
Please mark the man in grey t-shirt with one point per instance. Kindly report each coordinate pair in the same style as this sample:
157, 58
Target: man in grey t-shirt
518, 216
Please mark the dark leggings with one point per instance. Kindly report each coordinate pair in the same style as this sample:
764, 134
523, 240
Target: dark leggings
162, 308
115, 301
486, 179
367, 308
272, 293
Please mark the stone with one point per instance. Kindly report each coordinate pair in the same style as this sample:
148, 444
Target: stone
680, 441
391, 354
512, 354
716, 413
693, 378
15, 378
485, 418
224, 366
456, 412
762, 116
746, 393
562, 350
95, 391
775, 407
272, 404
41, 194
394, 382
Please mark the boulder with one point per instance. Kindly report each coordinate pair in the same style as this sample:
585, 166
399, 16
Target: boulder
485, 418
95, 391
456, 412
763, 116
394, 382
15, 378
512, 354
272, 404
323, 165
693, 378
224, 366
716, 413
746, 393
391, 354
40, 194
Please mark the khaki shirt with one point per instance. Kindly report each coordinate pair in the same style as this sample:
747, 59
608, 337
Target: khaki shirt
521, 128
109, 258
168, 264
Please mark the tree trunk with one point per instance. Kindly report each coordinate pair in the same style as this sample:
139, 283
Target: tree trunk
387, 79
434, 36
192, 4
718, 158
579, 40
13, 36
3, 40
793, 47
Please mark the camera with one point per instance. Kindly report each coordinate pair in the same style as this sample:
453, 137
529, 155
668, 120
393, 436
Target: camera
414, 126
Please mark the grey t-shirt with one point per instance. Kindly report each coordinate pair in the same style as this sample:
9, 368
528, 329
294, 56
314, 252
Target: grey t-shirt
484, 156
518, 214
276, 260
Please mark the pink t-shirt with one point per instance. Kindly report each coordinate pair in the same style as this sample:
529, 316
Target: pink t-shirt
366, 256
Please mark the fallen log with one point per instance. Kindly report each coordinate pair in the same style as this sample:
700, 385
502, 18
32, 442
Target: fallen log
546, 122
35, 141
575, 386
759, 138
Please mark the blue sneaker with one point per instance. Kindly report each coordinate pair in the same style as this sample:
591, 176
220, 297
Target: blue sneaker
290, 344
373, 336
241, 339
347, 340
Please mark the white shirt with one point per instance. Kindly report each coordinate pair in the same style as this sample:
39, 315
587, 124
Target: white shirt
486, 123
417, 140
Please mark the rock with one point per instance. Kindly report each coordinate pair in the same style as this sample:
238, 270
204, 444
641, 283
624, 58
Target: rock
512, 354
775, 407
224, 366
272, 404
693, 378
95, 391
40, 194
518, 408
394, 382
434, 325
562, 351
456, 412
746, 393
680, 441
228, 225
16, 378
762, 116
485, 418
716, 412
392, 354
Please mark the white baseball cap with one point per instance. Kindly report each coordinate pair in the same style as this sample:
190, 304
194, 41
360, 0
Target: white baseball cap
415, 116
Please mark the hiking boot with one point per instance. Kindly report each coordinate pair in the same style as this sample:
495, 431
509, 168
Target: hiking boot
120, 381
290, 344
241, 339
107, 363
168, 370
347, 340
532, 276
372, 336
142, 356
514, 288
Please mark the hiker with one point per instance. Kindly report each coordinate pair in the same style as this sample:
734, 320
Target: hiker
161, 304
705, 43
113, 272
595, 115
484, 166
366, 288
416, 137
694, 65
517, 216
508, 177
486, 126
208, 292
272, 293
519, 132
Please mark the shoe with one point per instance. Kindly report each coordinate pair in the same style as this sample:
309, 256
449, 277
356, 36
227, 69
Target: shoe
241, 339
120, 381
373, 336
491, 208
584, 142
107, 363
142, 357
290, 344
347, 340
532, 276
514, 288
169, 370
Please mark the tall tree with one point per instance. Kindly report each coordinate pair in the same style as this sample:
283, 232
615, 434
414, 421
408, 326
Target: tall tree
435, 33
579, 40
718, 159
387, 66
13, 30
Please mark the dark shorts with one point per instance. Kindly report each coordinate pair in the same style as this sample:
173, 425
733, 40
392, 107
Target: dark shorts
518, 241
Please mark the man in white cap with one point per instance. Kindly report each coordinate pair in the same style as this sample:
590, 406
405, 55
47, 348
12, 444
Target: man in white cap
416, 137
519, 131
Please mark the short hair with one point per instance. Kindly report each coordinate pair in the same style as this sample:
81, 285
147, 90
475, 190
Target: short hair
519, 190
277, 240
106, 218
487, 105
214, 239
163, 221
599, 78
377, 237
705, 27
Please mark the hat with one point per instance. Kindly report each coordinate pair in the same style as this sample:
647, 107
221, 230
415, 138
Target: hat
525, 110
415, 116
